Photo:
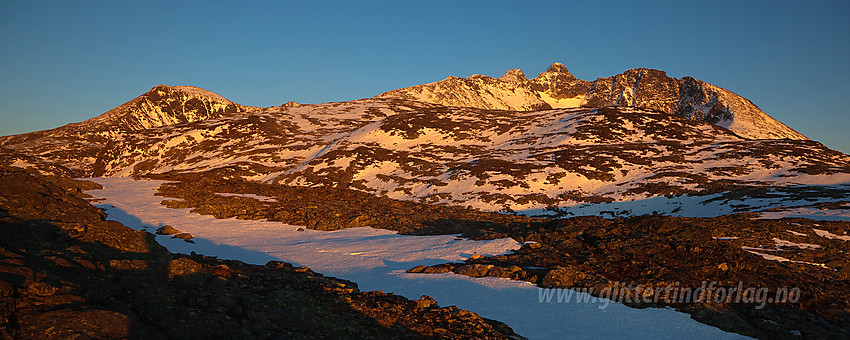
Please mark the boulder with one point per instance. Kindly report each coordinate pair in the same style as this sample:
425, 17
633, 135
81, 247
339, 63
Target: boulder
562, 277
440, 268
474, 270
167, 230
185, 237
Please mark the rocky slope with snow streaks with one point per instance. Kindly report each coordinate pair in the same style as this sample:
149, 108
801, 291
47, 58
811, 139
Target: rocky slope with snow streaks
640, 88
484, 158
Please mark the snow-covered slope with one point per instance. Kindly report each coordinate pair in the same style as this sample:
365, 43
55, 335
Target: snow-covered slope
640, 88
490, 159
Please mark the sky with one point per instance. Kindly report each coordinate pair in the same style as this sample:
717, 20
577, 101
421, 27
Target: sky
67, 61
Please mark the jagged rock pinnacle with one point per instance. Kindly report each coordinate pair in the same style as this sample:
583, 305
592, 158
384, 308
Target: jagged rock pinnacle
558, 68
557, 71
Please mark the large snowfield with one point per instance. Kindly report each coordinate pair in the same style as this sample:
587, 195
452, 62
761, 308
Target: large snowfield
377, 259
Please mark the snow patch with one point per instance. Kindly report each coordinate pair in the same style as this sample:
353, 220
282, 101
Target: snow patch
770, 257
377, 259
576, 101
780, 243
831, 236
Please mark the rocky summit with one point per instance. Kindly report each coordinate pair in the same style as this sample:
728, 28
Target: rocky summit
639, 88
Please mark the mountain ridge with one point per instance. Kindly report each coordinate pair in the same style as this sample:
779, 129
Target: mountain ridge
554, 88
639, 87
491, 159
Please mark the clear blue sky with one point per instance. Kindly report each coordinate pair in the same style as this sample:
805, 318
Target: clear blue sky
67, 61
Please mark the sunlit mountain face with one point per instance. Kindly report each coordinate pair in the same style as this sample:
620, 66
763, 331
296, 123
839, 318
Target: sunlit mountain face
548, 145
637, 179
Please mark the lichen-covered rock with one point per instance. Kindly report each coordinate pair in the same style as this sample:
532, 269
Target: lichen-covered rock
183, 267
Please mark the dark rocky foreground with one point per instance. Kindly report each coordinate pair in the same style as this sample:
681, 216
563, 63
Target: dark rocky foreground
597, 253
325, 208
66, 273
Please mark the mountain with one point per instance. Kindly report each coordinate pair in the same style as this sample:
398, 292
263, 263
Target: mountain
166, 105
635, 144
161, 105
640, 88
532, 161
78, 144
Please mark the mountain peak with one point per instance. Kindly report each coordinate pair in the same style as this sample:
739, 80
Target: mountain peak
291, 104
164, 105
647, 71
558, 68
189, 90
556, 72
513, 75
199, 91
